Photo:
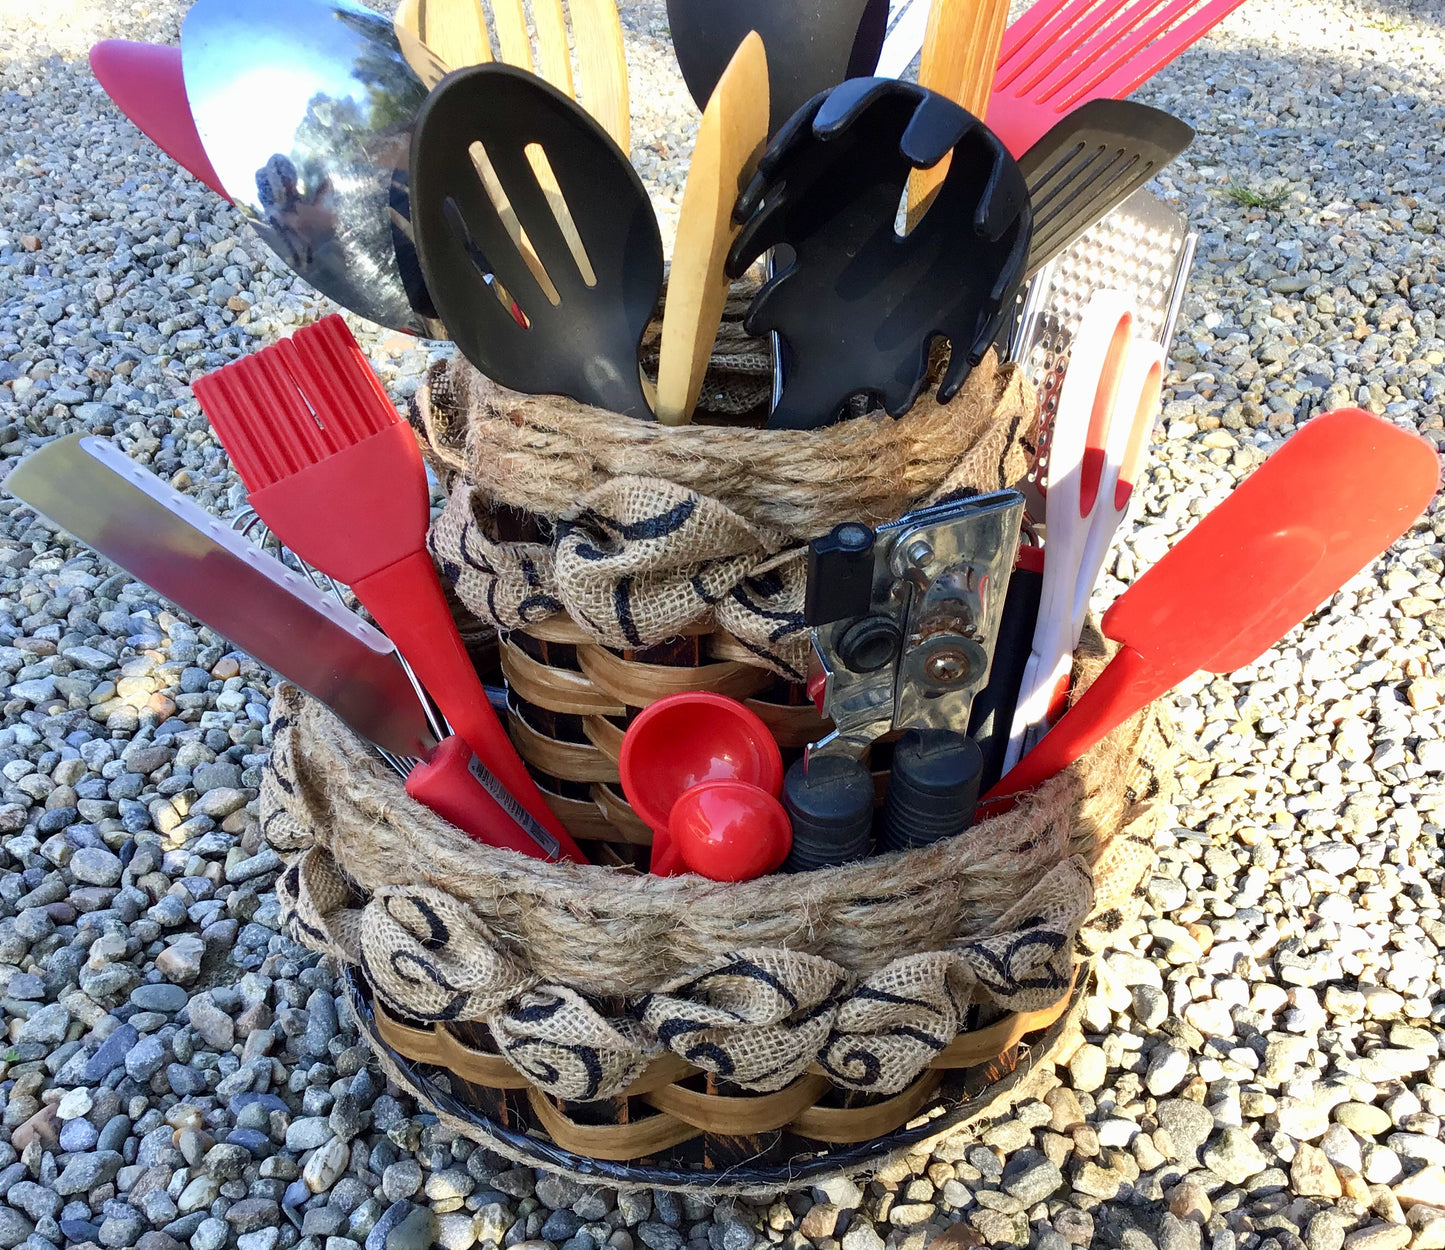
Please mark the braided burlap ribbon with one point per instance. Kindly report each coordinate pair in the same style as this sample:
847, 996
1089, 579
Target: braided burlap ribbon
583, 973
655, 528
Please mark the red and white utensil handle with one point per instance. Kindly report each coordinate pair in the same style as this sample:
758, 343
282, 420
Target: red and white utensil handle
1124, 453
1086, 402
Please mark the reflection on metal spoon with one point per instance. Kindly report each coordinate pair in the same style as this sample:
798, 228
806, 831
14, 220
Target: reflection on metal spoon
306, 109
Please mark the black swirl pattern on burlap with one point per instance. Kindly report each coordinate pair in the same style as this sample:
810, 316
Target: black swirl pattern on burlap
559, 1041
636, 561
755, 1018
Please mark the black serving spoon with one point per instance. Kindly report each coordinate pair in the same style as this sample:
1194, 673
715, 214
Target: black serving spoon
811, 44
540, 247
858, 306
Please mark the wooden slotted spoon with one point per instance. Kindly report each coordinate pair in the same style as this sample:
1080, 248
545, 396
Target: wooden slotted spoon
438, 36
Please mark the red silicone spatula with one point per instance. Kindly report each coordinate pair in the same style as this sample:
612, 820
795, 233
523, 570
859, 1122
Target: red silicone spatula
1329, 501
145, 81
336, 475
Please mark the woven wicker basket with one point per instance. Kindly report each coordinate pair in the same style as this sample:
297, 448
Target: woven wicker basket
663, 1030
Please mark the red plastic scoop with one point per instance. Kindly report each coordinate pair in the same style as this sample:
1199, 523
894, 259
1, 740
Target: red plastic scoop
686, 739
729, 831
145, 81
1329, 501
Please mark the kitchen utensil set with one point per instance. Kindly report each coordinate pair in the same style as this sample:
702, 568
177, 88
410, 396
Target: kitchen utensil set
451, 174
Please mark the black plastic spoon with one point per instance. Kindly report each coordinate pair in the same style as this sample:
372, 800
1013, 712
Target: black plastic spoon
811, 44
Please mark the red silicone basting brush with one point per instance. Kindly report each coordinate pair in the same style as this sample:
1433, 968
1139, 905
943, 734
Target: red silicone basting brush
337, 476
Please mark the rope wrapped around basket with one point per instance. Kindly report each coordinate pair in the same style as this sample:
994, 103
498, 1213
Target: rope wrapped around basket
650, 530
584, 975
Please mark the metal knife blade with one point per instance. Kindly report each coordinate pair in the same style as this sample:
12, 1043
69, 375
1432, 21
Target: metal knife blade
93, 490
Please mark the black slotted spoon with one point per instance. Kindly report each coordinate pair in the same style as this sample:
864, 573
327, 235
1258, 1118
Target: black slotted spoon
1090, 163
547, 277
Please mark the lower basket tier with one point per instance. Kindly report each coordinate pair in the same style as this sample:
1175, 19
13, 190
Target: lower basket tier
676, 1128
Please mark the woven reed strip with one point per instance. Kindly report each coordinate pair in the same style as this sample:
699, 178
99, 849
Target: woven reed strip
593, 929
1008, 1091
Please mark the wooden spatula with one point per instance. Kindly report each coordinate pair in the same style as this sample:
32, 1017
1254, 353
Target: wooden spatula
438, 36
730, 139
1329, 501
960, 49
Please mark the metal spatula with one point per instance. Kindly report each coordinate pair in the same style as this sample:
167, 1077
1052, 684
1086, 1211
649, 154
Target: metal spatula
514, 187
1324, 505
92, 489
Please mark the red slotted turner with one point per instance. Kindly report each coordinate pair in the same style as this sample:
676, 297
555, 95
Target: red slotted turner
336, 475
1059, 55
1328, 502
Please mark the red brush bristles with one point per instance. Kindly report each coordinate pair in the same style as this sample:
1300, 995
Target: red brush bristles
295, 403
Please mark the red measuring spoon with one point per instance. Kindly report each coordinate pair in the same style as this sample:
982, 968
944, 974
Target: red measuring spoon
729, 831
686, 739
1329, 501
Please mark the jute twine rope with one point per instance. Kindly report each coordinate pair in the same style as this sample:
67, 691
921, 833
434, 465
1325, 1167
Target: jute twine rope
542, 454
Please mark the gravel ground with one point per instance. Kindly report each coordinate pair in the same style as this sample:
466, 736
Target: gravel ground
1261, 1066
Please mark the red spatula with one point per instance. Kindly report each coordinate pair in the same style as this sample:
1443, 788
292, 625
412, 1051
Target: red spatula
1329, 501
1061, 53
145, 81
336, 475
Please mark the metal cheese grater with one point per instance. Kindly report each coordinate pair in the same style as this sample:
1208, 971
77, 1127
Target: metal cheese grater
1144, 249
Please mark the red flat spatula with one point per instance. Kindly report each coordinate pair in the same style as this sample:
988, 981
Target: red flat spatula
1329, 501
145, 81
336, 475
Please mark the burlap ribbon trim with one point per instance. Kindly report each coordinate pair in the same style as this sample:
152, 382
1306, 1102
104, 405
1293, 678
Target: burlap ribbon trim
654, 529
628, 565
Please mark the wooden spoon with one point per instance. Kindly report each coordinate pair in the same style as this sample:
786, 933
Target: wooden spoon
960, 50
438, 36
730, 138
